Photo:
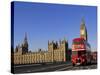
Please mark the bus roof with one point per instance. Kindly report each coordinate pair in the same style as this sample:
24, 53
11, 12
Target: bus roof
78, 39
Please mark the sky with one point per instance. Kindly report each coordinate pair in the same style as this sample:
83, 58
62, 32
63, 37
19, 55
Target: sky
43, 22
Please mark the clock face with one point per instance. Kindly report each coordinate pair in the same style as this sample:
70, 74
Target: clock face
82, 31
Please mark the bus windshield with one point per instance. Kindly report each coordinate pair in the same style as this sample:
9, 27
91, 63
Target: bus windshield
78, 42
78, 53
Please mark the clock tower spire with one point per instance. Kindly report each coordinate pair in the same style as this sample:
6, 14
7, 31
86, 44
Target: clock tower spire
83, 30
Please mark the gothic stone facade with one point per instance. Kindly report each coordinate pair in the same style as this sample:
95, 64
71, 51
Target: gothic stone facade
57, 52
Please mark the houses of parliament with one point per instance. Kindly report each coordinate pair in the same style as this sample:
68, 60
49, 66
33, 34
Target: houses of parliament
57, 51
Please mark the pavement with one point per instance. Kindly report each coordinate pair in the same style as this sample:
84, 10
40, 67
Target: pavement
49, 67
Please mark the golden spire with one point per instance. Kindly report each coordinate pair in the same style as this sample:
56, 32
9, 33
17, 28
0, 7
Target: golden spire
82, 22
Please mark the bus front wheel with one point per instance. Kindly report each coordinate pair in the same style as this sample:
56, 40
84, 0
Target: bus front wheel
73, 64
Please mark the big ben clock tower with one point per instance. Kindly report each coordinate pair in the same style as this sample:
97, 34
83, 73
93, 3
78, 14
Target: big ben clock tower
83, 30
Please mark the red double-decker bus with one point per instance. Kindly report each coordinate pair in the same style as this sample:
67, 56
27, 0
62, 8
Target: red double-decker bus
81, 52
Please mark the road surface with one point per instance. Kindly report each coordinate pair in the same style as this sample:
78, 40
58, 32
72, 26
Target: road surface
49, 67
